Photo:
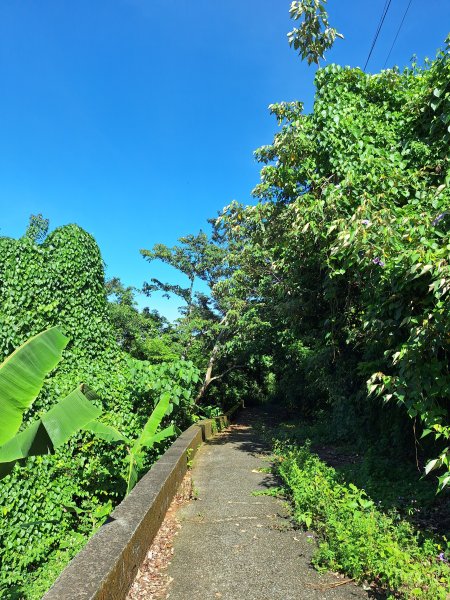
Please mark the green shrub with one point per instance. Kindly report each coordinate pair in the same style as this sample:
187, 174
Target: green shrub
356, 537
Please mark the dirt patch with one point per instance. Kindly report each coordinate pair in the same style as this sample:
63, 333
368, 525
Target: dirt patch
335, 457
152, 581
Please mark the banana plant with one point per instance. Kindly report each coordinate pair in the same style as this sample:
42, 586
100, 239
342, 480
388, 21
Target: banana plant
147, 438
22, 375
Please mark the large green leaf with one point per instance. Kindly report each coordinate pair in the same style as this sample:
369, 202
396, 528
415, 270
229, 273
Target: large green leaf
68, 416
54, 428
31, 441
106, 432
147, 438
153, 422
22, 375
160, 436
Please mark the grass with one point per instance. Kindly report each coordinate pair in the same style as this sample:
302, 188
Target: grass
375, 519
393, 484
358, 538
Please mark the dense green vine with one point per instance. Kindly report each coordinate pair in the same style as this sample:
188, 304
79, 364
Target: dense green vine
52, 504
348, 252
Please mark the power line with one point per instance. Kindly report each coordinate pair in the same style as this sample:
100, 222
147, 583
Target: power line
377, 33
398, 31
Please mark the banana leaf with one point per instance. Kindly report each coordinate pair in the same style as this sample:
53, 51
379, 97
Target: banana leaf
69, 415
106, 432
160, 436
22, 375
148, 438
54, 428
153, 422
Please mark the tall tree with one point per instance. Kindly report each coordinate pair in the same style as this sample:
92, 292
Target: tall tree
207, 323
346, 253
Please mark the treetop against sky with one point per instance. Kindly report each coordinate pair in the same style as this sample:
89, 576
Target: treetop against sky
137, 119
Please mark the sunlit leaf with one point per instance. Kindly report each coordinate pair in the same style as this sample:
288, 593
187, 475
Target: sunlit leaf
22, 375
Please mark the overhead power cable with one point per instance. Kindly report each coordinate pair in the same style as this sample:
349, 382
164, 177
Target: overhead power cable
377, 33
398, 31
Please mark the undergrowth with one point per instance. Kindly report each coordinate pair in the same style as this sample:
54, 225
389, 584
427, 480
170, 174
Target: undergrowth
356, 537
392, 480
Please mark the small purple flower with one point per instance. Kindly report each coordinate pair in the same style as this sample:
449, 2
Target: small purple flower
365, 222
377, 261
442, 558
435, 221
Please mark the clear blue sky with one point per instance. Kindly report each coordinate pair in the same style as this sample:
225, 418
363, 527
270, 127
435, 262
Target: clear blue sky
137, 119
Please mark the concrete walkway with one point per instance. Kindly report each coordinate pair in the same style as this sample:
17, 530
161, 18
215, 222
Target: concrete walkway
234, 545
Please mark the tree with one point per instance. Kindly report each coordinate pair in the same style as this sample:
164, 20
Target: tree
145, 334
207, 322
37, 228
345, 255
197, 258
314, 36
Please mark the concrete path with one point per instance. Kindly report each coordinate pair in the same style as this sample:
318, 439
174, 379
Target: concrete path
234, 545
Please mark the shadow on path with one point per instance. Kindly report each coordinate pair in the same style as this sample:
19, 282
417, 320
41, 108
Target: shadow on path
236, 545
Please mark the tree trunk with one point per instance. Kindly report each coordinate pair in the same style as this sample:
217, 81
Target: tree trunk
212, 359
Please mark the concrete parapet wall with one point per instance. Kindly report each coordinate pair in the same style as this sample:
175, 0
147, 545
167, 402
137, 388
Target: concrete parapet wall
107, 565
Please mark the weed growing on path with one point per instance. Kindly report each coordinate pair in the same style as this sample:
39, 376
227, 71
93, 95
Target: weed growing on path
276, 492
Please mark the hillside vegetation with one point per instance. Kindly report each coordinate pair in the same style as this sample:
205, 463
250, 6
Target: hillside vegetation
51, 504
344, 260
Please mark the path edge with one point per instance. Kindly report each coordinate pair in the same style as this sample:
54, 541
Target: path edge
106, 567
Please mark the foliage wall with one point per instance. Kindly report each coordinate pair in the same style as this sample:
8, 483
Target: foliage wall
346, 254
51, 505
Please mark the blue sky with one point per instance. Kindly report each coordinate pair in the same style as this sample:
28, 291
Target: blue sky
137, 119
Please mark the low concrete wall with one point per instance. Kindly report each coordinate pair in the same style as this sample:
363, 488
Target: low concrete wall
107, 565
